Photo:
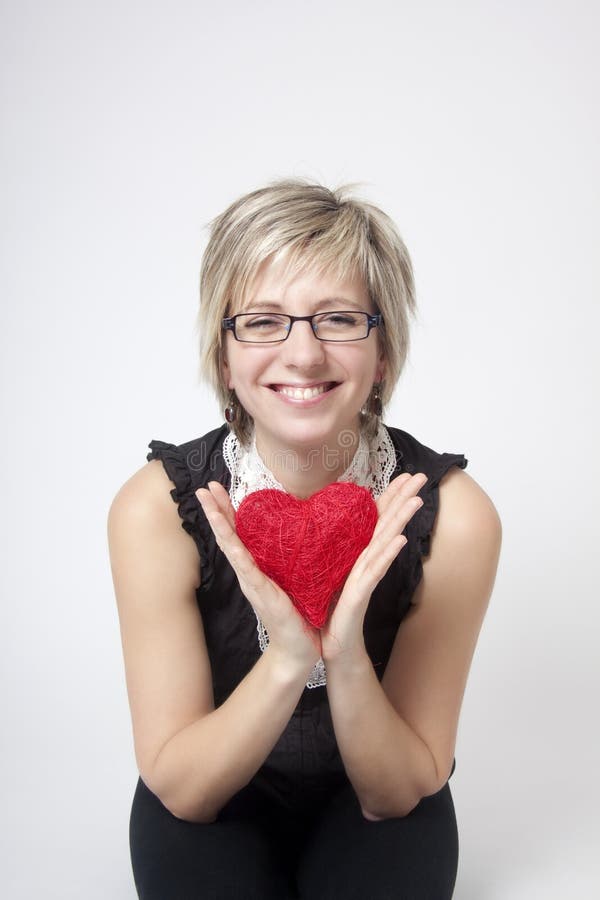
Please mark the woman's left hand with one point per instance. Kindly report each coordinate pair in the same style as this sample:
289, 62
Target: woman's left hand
342, 635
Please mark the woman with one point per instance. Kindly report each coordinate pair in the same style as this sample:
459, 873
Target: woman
278, 759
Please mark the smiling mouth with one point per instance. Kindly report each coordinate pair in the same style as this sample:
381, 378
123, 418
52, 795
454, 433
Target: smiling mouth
303, 393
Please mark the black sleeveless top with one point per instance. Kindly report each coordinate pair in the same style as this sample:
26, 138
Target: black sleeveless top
306, 759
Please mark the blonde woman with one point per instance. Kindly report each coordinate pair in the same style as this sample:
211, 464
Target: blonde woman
278, 760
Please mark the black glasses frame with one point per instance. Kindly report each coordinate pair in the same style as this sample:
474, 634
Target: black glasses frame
373, 320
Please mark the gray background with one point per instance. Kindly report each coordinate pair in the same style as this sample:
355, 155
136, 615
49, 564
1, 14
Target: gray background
125, 127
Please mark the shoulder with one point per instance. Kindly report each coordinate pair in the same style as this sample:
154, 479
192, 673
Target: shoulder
146, 492
465, 543
466, 514
458, 530
157, 507
171, 471
143, 519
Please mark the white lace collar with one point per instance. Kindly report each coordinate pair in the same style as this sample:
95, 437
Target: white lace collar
371, 466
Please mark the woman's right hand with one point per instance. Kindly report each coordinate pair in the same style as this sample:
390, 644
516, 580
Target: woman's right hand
291, 638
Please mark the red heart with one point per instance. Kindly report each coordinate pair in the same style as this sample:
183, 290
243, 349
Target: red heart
308, 546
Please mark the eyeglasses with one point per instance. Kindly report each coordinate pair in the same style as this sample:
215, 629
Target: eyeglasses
271, 328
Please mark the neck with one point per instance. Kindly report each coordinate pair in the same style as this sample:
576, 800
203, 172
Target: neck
305, 470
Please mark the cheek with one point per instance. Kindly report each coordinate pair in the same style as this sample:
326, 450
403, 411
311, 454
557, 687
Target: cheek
243, 366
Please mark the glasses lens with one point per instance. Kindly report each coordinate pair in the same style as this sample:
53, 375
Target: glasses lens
261, 327
341, 326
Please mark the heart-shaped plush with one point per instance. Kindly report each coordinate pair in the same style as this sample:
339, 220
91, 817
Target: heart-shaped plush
308, 546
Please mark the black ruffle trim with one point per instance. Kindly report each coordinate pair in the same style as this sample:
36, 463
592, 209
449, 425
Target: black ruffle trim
193, 519
421, 526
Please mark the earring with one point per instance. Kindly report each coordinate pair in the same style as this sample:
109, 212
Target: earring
374, 403
231, 409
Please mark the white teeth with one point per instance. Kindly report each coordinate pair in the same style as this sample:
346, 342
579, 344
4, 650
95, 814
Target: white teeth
302, 393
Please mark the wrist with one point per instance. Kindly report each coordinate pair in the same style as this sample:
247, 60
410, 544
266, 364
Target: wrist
287, 669
350, 660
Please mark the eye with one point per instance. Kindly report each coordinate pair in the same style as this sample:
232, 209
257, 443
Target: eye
339, 319
264, 322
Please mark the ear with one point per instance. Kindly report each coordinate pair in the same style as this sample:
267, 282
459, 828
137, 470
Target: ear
381, 368
226, 372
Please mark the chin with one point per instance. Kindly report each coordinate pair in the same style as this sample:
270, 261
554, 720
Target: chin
307, 435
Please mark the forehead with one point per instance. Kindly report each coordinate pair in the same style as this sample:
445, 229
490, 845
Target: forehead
276, 283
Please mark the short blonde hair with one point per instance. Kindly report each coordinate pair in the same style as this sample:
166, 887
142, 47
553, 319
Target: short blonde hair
316, 228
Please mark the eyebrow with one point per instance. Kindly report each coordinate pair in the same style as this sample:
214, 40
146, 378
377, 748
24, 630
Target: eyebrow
330, 302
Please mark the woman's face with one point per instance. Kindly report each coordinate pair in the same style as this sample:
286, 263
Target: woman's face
334, 378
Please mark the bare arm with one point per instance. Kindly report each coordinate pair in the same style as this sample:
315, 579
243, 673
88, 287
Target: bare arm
397, 738
192, 756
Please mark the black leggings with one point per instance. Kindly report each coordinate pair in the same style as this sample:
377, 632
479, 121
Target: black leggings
257, 851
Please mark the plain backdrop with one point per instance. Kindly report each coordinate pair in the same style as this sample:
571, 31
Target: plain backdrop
126, 126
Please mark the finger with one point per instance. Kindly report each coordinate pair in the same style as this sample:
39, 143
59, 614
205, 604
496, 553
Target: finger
390, 529
370, 567
268, 600
223, 500
255, 585
396, 506
394, 523
400, 509
394, 487
223, 529
404, 485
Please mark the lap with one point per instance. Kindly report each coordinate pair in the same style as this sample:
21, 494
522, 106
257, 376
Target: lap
234, 858
409, 858
258, 851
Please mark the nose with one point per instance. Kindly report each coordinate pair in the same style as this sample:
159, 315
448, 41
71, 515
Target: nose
301, 349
